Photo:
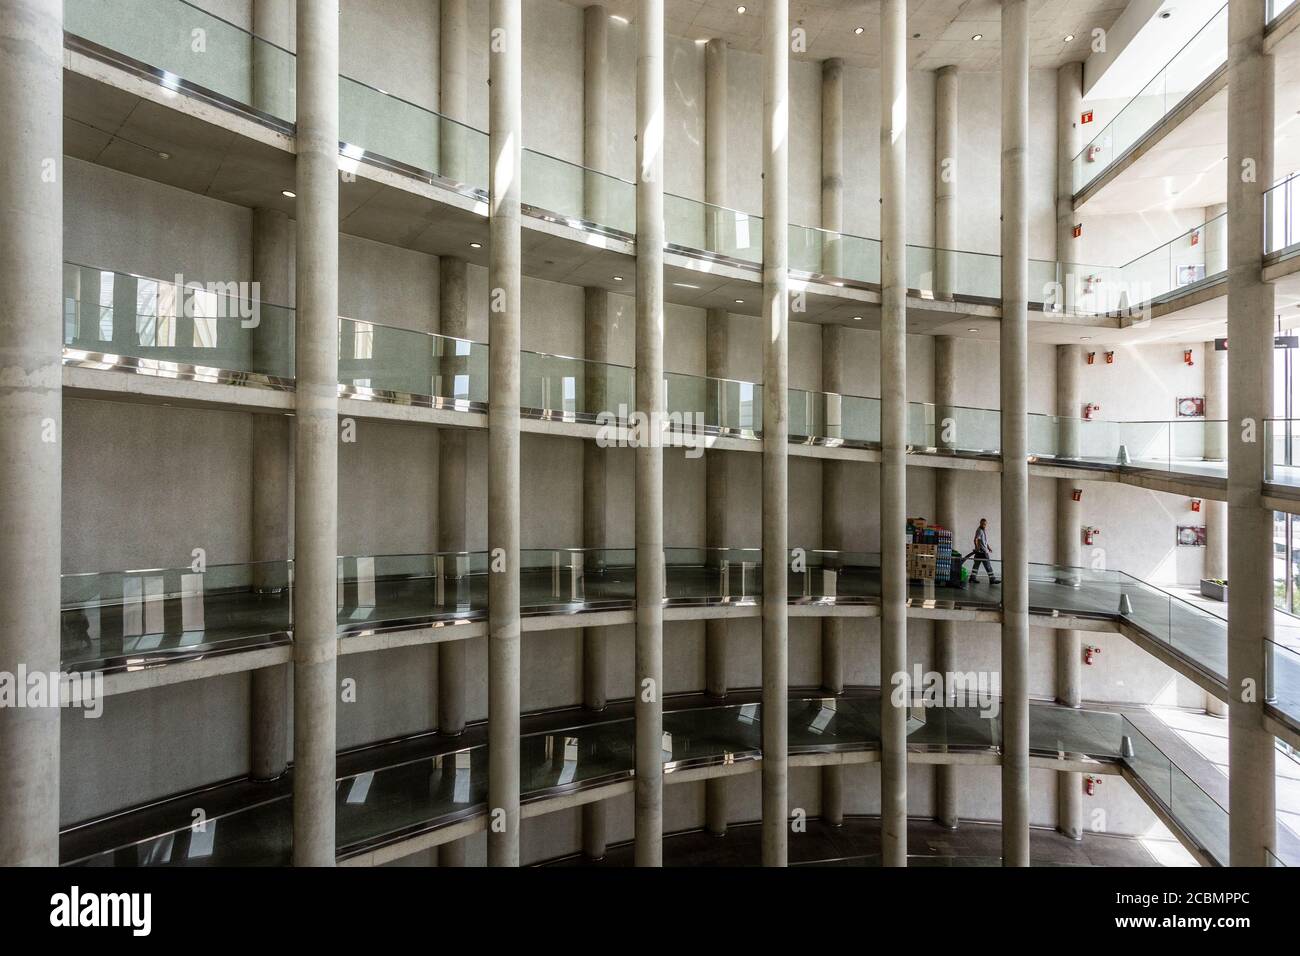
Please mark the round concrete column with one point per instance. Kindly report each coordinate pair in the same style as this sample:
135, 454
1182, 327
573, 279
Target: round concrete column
1253, 823
834, 528
776, 430
715, 139
893, 425
272, 491
650, 401
716, 463
1015, 469
505, 69
31, 441
1215, 363
316, 427
595, 126
945, 181
1069, 114
453, 89
945, 516
832, 165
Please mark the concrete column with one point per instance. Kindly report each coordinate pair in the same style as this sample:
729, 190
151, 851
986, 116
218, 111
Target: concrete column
1069, 113
31, 405
453, 88
1252, 824
272, 491
776, 430
832, 165
504, 284
893, 425
945, 516
650, 401
1216, 436
1215, 237
715, 138
595, 535
716, 632
453, 320
316, 429
453, 310
945, 181
834, 526
945, 392
1069, 643
595, 129
1015, 467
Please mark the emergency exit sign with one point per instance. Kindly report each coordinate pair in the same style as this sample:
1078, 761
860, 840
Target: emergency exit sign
1279, 342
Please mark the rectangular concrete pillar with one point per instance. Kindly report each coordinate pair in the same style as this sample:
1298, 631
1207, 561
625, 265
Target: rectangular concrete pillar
946, 106
1252, 823
315, 686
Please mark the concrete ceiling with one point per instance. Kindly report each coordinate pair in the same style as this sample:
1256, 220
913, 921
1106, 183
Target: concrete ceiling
940, 31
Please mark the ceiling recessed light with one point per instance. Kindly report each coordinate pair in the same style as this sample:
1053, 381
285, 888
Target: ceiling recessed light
972, 330
164, 155
857, 318
476, 245
740, 302
740, 9
978, 36
1069, 38
618, 278
857, 31
1085, 338
288, 194
1166, 14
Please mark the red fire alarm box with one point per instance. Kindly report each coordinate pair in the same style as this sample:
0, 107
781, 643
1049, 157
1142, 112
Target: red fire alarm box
1077, 494
1196, 504
1110, 358
1086, 117
1092, 357
1077, 231
1187, 356
1196, 237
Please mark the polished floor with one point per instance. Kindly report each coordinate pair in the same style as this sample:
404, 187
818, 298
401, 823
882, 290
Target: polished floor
857, 843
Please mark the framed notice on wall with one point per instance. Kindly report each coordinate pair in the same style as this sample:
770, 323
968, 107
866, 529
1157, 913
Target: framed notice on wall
1191, 408
1191, 536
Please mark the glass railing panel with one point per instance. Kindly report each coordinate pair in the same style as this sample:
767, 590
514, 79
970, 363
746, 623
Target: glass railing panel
165, 35
559, 578
948, 272
121, 618
726, 404
970, 430
1282, 460
388, 591
1282, 215
711, 734
577, 194
1193, 809
859, 420
1200, 636
1276, 8
1075, 590
386, 362
808, 414
693, 224
1144, 444
385, 804
921, 432
1186, 70
1147, 607
1283, 679
838, 576
382, 126
710, 575
572, 389
259, 835
160, 326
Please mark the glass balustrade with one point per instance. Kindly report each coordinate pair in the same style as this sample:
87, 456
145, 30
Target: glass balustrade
574, 390
386, 129
1282, 217
206, 331
120, 620
382, 799
577, 195
1276, 8
161, 34
383, 363
691, 224
1195, 811
1185, 72
1282, 461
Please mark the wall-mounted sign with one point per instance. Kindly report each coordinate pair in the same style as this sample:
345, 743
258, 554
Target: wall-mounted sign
1191, 408
1279, 342
1086, 117
1077, 231
1191, 536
